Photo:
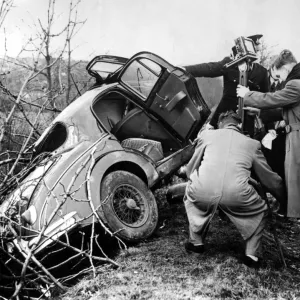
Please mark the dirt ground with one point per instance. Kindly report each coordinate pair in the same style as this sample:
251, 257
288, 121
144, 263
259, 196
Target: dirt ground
160, 268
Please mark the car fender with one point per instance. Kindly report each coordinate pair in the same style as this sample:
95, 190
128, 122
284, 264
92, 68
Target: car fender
117, 160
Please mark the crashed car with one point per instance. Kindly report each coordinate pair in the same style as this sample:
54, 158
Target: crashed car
109, 149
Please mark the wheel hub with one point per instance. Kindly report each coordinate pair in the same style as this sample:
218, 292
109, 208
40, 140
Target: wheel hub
131, 204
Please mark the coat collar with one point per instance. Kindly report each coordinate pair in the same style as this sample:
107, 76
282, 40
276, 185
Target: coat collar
233, 127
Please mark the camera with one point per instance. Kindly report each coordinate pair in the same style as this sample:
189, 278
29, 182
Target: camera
243, 51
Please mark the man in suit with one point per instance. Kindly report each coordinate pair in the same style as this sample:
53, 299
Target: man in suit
219, 174
257, 81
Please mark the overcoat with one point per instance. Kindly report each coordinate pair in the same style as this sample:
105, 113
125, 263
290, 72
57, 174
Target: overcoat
258, 80
289, 99
219, 174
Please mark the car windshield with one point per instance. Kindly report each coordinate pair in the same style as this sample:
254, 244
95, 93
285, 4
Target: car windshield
141, 76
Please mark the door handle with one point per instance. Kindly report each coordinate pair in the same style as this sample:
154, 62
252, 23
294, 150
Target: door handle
175, 100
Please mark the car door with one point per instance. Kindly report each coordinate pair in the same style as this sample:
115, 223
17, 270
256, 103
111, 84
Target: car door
169, 93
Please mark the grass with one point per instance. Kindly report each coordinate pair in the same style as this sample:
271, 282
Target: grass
159, 268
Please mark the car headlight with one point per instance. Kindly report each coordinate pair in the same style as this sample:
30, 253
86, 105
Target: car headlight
55, 230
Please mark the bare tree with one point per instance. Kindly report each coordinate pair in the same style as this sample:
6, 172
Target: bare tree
5, 7
36, 95
39, 80
72, 30
265, 54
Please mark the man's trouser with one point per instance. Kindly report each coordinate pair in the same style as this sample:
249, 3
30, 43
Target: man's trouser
253, 243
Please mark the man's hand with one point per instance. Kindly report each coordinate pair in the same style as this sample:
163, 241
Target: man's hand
241, 91
252, 111
209, 127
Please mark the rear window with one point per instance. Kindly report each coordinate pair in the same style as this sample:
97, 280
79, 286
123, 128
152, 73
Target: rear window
52, 139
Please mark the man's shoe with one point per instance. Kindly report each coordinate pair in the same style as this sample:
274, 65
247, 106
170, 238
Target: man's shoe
189, 247
251, 263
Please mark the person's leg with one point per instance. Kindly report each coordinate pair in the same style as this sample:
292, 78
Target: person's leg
195, 238
253, 243
196, 223
198, 226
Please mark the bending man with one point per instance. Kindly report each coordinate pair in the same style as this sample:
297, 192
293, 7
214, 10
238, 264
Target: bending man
219, 174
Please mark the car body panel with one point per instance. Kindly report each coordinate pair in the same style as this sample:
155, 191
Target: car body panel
107, 153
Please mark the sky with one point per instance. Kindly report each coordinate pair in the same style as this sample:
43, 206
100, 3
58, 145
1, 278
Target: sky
181, 31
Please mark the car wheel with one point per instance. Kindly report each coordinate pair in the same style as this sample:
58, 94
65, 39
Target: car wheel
128, 206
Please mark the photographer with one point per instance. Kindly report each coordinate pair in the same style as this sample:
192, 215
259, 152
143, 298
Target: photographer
257, 80
219, 175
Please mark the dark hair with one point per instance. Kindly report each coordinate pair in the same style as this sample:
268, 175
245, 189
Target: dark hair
285, 57
229, 117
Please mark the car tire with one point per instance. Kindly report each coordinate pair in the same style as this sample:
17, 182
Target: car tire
129, 206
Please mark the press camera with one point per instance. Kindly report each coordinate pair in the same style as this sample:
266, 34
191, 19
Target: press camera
243, 51
244, 54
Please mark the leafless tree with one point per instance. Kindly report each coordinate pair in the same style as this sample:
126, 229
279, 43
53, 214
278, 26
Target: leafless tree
265, 54
5, 7
34, 98
40, 78
72, 30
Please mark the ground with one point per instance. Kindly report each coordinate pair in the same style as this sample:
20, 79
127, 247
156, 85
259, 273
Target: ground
160, 268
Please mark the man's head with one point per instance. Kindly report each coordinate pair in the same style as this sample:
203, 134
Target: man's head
283, 64
229, 118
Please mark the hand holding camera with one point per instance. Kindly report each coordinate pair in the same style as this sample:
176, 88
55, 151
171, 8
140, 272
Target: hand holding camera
241, 91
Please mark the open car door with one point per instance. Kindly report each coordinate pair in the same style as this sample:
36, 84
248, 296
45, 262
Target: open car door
103, 67
169, 93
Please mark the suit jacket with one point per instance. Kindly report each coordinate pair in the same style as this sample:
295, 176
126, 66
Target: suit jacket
257, 81
289, 99
220, 171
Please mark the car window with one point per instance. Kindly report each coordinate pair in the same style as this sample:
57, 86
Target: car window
105, 68
141, 75
54, 138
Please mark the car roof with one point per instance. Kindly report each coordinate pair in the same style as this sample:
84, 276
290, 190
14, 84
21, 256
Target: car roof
79, 114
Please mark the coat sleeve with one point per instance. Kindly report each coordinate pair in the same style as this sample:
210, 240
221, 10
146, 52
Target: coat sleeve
289, 96
271, 115
196, 159
212, 69
270, 180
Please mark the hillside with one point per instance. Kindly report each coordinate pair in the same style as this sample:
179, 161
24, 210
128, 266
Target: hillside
15, 71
